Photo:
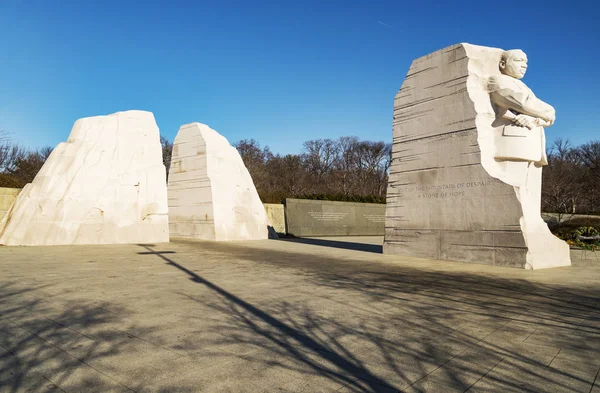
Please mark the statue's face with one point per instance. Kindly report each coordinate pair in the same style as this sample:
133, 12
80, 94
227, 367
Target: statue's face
515, 65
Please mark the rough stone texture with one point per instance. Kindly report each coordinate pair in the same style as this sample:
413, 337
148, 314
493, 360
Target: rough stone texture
106, 184
306, 217
448, 198
211, 193
7, 198
276, 216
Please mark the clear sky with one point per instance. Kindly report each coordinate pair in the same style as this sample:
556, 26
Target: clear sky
280, 72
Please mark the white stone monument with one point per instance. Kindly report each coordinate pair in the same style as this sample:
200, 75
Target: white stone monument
469, 146
211, 193
105, 185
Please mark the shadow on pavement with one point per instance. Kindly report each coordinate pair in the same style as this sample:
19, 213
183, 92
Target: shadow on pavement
375, 248
45, 348
311, 322
381, 328
287, 337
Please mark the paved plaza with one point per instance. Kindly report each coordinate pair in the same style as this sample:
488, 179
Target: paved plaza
310, 315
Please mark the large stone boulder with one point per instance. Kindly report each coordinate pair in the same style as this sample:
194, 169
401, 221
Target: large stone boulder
211, 193
465, 178
105, 185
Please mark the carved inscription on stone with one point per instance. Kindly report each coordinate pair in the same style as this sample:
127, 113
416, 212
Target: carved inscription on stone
448, 190
333, 218
378, 218
327, 216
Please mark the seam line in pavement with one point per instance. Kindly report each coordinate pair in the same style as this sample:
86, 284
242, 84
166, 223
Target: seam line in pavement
68, 354
472, 345
58, 387
530, 334
554, 357
457, 355
595, 380
484, 375
115, 329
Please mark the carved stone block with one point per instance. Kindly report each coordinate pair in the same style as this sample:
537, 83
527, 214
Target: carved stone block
211, 193
106, 184
462, 188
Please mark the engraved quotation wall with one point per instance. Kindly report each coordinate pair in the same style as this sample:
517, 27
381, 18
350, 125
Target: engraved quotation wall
331, 218
377, 218
321, 216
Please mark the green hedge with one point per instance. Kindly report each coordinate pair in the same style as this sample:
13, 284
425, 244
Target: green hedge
570, 236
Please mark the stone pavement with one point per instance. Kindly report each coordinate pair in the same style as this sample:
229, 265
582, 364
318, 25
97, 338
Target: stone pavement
317, 315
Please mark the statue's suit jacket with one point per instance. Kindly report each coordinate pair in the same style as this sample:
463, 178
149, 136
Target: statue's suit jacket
514, 143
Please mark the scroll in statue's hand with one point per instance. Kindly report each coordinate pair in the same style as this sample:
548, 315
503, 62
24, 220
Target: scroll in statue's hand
525, 121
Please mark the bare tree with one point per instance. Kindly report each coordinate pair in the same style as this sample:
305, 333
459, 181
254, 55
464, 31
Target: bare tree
589, 155
9, 155
319, 157
562, 182
255, 159
27, 166
345, 166
289, 174
372, 162
343, 169
167, 152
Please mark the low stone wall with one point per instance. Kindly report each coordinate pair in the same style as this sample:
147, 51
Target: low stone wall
7, 198
276, 216
553, 218
305, 217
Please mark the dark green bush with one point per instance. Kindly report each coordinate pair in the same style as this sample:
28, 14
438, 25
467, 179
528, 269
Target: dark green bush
570, 235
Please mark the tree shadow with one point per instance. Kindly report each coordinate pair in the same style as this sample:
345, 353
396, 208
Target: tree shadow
378, 328
285, 335
366, 247
44, 347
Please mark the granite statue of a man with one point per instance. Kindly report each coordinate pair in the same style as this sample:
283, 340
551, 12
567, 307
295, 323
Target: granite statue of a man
520, 148
523, 138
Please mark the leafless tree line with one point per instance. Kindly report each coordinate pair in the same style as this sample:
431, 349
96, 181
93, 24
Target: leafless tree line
350, 169
18, 165
571, 181
342, 169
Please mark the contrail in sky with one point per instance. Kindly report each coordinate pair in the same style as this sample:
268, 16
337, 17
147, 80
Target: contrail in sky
385, 24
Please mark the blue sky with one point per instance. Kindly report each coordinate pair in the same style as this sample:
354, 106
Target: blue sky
280, 72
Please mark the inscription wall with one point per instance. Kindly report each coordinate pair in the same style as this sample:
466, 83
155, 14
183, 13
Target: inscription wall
305, 217
7, 198
276, 215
